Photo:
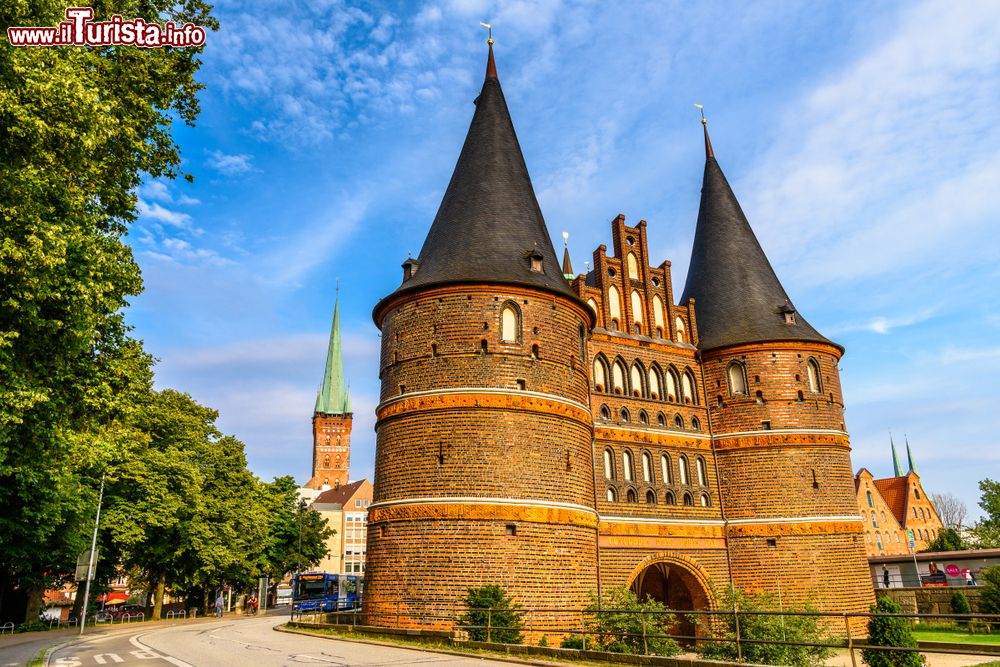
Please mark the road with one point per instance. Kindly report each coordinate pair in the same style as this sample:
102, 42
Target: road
240, 642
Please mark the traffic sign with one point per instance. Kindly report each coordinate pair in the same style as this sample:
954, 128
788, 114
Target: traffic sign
82, 565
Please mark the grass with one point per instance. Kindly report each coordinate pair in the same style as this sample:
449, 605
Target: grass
955, 636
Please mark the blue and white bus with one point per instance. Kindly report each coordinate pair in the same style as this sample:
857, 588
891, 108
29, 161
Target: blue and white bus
319, 591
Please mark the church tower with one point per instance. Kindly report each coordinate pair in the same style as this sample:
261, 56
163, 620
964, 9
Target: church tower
483, 464
776, 415
332, 419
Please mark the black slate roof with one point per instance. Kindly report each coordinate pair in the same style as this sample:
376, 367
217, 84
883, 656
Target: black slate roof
738, 298
489, 222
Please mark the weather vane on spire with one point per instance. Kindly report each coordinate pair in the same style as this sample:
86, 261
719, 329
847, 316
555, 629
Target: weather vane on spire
488, 26
704, 121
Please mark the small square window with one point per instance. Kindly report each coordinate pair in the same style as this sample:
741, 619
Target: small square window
766, 425
511, 529
771, 542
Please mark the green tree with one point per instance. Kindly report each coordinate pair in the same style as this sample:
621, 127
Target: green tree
948, 539
79, 129
291, 524
960, 605
492, 616
620, 623
766, 628
890, 631
986, 532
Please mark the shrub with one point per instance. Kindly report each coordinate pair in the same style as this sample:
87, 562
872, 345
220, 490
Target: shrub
960, 605
492, 616
620, 621
948, 539
989, 598
803, 629
884, 630
572, 641
543, 641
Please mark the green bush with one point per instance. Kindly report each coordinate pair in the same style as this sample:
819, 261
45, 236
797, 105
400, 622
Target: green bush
764, 628
620, 621
544, 641
33, 626
948, 539
884, 630
960, 605
989, 597
492, 616
572, 641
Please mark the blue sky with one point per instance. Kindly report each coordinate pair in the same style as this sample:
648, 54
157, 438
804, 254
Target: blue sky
860, 138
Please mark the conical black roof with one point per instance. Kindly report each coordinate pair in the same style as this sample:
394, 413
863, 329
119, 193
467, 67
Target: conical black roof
489, 224
738, 298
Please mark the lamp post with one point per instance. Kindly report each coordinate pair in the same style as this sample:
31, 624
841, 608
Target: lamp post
90, 565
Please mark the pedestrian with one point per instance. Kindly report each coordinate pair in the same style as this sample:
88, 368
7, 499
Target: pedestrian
969, 579
885, 577
219, 601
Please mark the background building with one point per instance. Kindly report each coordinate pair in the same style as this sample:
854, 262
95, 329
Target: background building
561, 437
346, 510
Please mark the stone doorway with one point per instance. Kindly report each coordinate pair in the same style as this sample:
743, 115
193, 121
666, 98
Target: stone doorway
679, 588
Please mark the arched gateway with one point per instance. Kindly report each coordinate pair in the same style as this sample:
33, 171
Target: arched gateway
680, 584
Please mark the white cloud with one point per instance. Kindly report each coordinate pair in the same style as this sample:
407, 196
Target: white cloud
952, 355
230, 165
881, 324
155, 212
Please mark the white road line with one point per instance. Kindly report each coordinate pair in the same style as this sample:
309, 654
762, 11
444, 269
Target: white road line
134, 641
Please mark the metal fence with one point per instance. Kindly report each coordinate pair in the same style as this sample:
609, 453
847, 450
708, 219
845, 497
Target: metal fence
836, 631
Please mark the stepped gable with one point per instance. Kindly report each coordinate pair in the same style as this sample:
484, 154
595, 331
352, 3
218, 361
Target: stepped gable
489, 224
738, 297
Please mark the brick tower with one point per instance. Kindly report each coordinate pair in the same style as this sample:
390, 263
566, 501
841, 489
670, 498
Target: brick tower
332, 419
483, 465
776, 418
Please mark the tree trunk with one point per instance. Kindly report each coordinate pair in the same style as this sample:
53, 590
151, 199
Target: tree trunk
161, 584
35, 595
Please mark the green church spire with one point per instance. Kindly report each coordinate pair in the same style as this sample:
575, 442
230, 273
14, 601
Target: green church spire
334, 398
909, 455
895, 458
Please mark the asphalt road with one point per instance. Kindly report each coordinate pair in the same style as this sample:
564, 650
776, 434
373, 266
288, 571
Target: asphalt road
240, 642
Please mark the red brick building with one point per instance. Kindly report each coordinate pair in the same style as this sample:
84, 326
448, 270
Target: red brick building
562, 436
332, 419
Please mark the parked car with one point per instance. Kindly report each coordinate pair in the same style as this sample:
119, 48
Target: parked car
128, 610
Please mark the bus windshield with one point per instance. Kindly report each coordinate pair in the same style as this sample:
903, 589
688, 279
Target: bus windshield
310, 589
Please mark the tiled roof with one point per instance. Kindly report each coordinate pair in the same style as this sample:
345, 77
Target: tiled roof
339, 495
894, 491
738, 298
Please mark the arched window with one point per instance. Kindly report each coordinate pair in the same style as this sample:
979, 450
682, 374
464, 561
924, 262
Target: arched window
922, 516
627, 470
510, 323
878, 541
636, 307
688, 500
895, 538
914, 512
600, 374
609, 464
670, 499
679, 323
593, 307
874, 521
632, 266
666, 471
658, 319
612, 495
654, 383
882, 514
671, 379
678, 421
643, 417
650, 498
682, 463
647, 468
626, 416
631, 497
737, 379
618, 377
614, 304
636, 377
871, 502
605, 413
812, 373
695, 424
916, 494
702, 474
687, 387
661, 420
705, 500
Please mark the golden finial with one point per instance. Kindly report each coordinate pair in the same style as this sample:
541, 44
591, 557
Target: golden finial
488, 26
704, 121
709, 153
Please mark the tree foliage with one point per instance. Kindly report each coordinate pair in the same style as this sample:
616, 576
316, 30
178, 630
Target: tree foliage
951, 509
621, 623
79, 129
288, 518
761, 627
989, 597
890, 631
948, 539
492, 616
986, 533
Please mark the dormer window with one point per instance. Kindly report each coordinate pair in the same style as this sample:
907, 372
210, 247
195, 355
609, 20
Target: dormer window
535, 260
788, 312
410, 267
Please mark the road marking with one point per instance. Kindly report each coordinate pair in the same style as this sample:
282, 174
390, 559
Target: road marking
317, 659
134, 641
99, 658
